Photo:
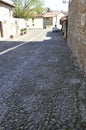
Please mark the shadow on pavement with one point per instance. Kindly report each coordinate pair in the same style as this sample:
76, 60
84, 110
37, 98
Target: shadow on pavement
4, 45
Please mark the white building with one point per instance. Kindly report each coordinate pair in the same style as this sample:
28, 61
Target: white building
7, 23
36, 22
47, 20
50, 19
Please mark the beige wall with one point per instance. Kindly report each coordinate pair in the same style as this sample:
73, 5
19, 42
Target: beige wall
54, 21
7, 22
20, 23
9, 28
77, 30
9, 25
35, 23
5, 11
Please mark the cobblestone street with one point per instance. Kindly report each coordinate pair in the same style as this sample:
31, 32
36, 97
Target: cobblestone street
41, 86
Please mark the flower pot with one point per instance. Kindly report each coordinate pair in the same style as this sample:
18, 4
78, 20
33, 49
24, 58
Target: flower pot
11, 36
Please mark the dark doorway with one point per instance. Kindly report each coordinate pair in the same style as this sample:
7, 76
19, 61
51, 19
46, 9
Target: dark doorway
1, 30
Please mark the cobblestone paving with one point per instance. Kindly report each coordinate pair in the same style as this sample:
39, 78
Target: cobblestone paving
44, 88
11, 42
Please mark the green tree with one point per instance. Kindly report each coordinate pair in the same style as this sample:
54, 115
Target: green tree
27, 8
17, 12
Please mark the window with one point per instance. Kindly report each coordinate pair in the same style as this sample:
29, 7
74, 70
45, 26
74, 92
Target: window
47, 18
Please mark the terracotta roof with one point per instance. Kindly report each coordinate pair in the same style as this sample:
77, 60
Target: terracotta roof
50, 14
7, 3
38, 15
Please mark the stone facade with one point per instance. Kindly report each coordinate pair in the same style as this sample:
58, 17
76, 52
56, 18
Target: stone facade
77, 30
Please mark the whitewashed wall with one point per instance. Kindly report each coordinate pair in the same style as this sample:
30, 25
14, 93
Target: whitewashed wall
54, 21
36, 23
19, 24
7, 21
9, 27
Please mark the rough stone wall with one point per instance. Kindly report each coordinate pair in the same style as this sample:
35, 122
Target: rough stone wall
77, 30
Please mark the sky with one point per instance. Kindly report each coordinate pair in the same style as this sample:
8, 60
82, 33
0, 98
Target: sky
56, 5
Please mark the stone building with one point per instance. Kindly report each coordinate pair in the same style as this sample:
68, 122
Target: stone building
77, 30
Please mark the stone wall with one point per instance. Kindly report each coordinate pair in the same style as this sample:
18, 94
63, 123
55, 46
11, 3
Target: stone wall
77, 30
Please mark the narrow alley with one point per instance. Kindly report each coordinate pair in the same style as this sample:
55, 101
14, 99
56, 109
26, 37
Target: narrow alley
41, 84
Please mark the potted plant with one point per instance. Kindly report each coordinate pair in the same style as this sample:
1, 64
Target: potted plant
11, 36
22, 31
25, 30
